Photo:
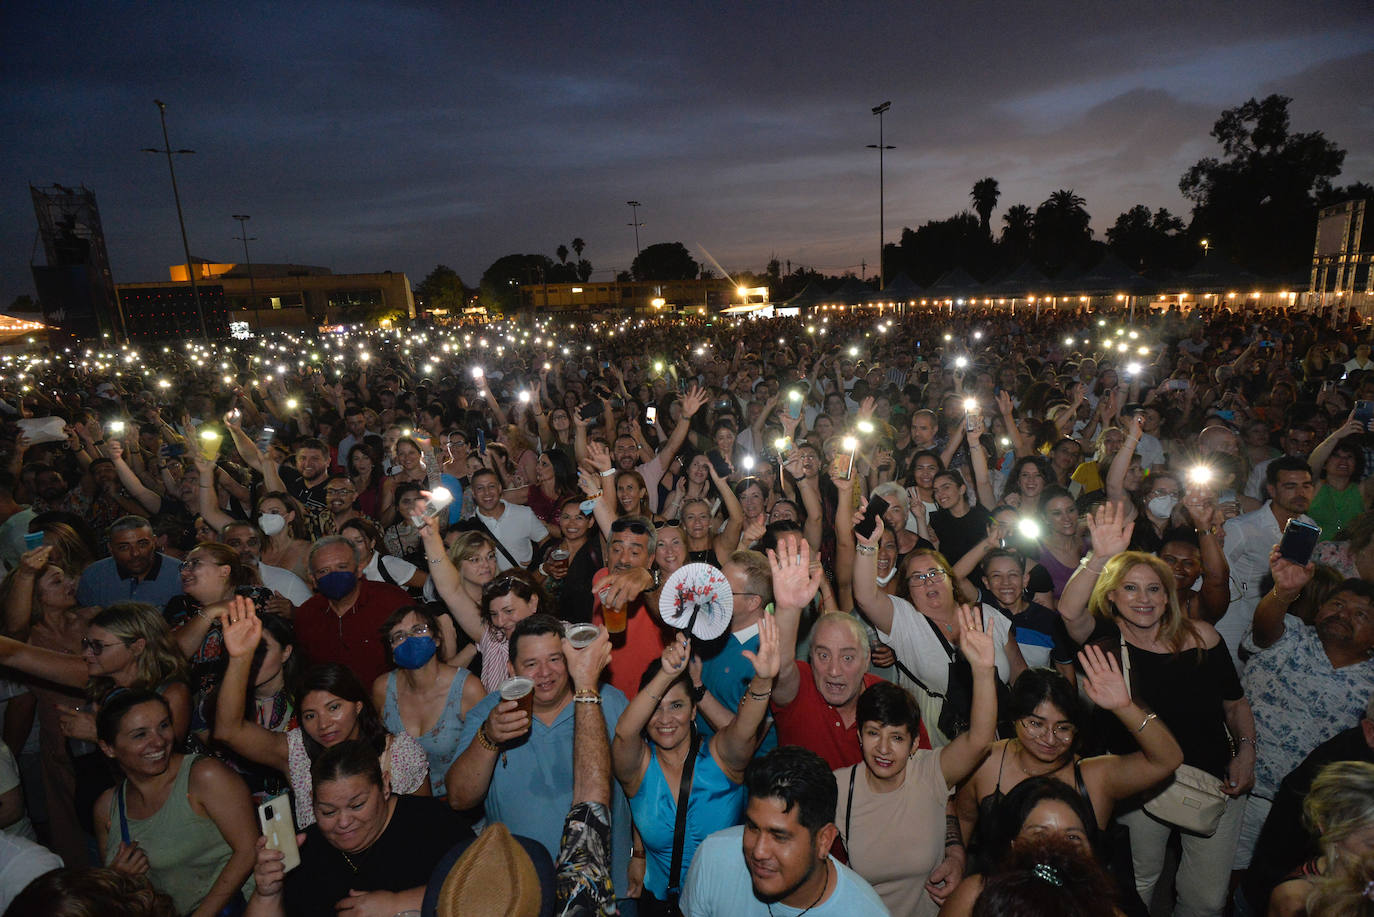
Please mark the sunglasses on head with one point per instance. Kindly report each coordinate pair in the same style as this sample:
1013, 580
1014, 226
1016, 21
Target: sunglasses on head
633, 526
668, 523
502, 584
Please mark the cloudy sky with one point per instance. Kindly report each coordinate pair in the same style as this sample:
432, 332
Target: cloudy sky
367, 136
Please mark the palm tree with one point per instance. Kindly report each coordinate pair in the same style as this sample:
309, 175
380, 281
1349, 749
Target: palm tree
985, 194
578, 245
1060, 231
562, 253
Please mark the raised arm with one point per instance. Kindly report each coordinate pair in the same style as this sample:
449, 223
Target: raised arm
692, 400
729, 536
1317, 460
19, 599
959, 758
215, 517
629, 750
1290, 580
1020, 446
963, 568
448, 584
591, 750
735, 745
1116, 474
1215, 595
242, 631
1159, 755
794, 585
809, 490
844, 542
872, 601
1111, 534
979, 460
148, 499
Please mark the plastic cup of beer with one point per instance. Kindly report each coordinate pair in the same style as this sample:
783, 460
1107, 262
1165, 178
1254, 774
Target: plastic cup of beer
520, 690
615, 619
582, 635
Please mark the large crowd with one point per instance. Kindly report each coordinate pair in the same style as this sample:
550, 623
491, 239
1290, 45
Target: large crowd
1060, 613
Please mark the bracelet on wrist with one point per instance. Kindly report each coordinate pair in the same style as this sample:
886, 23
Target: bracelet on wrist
607, 473
1145, 722
485, 740
760, 695
866, 549
586, 696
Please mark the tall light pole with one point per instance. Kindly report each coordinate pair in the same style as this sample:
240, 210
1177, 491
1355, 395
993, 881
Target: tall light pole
243, 237
882, 235
634, 221
185, 246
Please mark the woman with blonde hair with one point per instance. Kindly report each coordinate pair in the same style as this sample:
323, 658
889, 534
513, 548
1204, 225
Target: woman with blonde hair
458, 577
1340, 809
1180, 669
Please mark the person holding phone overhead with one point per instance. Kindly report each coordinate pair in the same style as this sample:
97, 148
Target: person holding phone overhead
1251, 536
1306, 682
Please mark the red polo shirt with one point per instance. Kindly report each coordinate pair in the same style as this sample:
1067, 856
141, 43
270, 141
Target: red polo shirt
631, 652
812, 723
355, 640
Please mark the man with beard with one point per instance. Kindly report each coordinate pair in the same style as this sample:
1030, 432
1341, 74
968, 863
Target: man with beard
339, 497
134, 572
629, 582
52, 491
1249, 538
245, 538
1305, 682
785, 841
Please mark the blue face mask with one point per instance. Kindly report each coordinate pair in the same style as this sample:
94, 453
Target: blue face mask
337, 584
414, 652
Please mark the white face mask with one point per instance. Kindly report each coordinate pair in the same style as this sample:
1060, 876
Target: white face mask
884, 580
271, 523
1160, 507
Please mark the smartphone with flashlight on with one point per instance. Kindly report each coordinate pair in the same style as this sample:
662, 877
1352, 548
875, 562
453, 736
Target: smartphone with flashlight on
876, 507
651, 414
794, 403
843, 465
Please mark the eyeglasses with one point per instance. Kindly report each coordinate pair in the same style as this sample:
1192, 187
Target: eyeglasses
189, 565
633, 526
95, 647
1036, 729
934, 576
397, 637
667, 523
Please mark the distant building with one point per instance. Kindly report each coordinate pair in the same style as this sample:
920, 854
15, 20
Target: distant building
271, 297
712, 295
75, 287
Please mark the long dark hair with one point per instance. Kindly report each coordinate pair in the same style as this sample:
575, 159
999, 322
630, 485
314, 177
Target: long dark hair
338, 680
1010, 815
1040, 685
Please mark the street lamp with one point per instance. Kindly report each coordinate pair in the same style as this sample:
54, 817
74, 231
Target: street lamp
176, 196
243, 237
882, 235
634, 221
1206, 247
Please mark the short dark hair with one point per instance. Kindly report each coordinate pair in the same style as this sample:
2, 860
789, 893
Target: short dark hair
538, 624
399, 614
353, 758
798, 777
888, 704
997, 553
1362, 588
1284, 463
953, 475
311, 442
132, 523
483, 472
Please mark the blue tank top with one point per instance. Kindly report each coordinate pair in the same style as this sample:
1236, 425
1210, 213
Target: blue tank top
441, 742
716, 802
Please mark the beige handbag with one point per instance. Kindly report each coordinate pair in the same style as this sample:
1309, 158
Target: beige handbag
1192, 799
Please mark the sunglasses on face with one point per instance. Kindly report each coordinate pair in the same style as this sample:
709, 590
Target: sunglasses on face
95, 647
668, 523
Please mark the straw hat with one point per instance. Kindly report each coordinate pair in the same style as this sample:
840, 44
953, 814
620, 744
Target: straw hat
494, 874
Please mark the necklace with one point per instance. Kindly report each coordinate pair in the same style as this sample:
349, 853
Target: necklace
824, 886
351, 865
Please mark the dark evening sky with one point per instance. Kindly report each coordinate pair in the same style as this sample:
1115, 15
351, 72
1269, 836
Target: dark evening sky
373, 136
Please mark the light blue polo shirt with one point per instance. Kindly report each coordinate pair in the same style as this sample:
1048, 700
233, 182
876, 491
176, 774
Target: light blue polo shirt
727, 675
103, 585
531, 788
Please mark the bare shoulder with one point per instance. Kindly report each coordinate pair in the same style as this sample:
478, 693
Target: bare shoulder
1289, 898
1205, 635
